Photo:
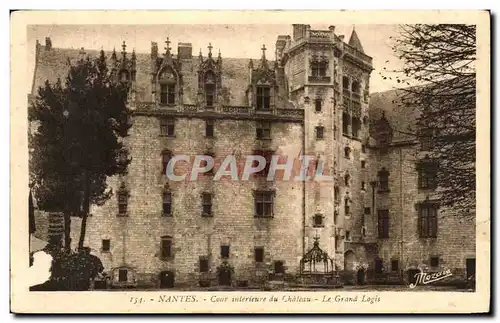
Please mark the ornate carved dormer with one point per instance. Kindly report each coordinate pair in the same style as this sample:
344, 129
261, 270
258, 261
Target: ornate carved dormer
383, 131
263, 88
123, 69
166, 76
209, 79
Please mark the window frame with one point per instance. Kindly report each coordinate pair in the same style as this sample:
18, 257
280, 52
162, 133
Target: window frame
167, 204
427, 220
264, 197
167, 91
209, 128
320, 132
263, 99
167, 127
318, 105
225, 251
106, 247
263, 130
383, 180
256, 253
207, 204
122, 203
320, 223
166, 248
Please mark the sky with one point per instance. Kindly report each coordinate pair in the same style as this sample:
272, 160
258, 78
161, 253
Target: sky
236, 41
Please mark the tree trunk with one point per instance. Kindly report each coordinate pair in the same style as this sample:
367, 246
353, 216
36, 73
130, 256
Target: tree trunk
86, 207
67, 230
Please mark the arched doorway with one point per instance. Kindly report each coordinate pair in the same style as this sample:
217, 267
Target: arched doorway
225, 278
167, 279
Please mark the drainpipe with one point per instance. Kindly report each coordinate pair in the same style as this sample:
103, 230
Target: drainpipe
401, 205
304, 190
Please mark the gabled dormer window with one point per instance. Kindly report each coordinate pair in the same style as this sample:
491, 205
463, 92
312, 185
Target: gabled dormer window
263, 98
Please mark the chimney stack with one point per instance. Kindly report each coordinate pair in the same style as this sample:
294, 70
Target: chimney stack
48, 43
184, 50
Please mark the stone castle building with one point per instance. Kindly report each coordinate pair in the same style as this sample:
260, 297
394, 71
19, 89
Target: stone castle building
376, 221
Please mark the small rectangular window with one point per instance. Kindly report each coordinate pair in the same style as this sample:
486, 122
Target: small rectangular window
368, 210
167, 127
166, 248
394, 265
318, 220
434, 261
363, 164
209, 128
320, 132
106, 245
224, 251
122, 203
348, 235
363, 185
207, 204
167, 204
263, 130
317, 105
259, 254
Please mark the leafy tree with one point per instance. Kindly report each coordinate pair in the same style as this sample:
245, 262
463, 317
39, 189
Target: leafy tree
439, 60
78, 141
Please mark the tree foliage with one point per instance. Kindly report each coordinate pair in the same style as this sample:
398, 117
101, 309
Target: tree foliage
78, 141
440, 59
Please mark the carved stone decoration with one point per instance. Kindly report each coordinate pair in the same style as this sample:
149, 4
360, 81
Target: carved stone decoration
210, 77
123, 69
166, 70
263, 75
352, 71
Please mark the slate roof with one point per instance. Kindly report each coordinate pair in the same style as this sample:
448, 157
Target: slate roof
355, 42
402, 119
52, 64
